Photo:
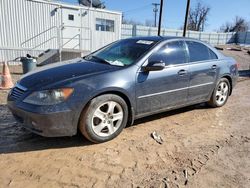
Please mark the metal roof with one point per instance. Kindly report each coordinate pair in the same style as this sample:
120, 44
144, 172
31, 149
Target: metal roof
72, 6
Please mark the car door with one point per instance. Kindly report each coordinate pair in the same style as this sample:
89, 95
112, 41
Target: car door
203, 71
158, 90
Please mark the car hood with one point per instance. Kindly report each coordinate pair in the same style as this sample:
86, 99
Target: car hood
61, 71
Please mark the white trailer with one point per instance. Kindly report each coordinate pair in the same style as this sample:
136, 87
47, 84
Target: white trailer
32, 26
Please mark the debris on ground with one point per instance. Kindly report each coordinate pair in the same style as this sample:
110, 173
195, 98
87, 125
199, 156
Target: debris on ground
157, 137
165, 182
234, 49
219, 48
186, 176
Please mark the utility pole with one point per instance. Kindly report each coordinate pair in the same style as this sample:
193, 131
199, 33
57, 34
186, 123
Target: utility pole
155, 10
159, 24
186, 18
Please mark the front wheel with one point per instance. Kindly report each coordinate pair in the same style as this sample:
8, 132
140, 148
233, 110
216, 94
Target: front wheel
104, 118
220, 94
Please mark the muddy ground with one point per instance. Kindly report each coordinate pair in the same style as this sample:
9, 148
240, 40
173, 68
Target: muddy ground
242, 57
203, 147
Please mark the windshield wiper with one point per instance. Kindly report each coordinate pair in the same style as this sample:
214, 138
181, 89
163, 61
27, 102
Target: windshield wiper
100, 59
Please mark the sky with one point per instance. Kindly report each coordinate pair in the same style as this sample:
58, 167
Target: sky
174, 11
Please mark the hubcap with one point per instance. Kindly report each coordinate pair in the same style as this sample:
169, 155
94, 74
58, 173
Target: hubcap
222, 93
107, 118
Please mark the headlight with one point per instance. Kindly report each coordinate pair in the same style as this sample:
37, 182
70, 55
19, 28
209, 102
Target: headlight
49, 97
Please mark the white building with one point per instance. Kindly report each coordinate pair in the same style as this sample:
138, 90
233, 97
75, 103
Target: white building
32, 26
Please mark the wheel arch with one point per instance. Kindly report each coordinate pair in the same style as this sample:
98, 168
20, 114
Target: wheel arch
228, 77
131, 113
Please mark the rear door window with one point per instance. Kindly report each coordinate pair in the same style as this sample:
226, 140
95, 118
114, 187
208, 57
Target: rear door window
199, 52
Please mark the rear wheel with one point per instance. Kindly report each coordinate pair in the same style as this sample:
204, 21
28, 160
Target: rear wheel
220, 94
104, 118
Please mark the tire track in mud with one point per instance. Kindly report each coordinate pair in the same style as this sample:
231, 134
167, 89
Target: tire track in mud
193, 166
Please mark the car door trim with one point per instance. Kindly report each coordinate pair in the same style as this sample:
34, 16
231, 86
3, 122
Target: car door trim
174, 90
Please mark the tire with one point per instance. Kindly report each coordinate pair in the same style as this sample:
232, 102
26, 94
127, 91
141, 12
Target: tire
220, 94
104, 118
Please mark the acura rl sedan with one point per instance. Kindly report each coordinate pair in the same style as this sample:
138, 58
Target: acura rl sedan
103, 92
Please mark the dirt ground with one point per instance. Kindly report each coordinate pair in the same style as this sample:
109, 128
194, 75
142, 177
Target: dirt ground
242, 57
203, 147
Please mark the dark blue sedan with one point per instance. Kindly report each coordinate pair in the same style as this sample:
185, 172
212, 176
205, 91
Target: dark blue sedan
105, 91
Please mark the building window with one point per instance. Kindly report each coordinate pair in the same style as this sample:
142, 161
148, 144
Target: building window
105, 25
71, 17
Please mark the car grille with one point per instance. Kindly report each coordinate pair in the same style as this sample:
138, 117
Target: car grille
17, 92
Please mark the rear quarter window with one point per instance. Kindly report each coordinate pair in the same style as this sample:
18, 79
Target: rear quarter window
199, 52
212, 54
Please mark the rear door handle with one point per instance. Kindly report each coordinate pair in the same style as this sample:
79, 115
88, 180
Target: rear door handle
182, 72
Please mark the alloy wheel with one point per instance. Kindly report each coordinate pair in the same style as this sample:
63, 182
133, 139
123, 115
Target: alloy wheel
107, 118
222, 93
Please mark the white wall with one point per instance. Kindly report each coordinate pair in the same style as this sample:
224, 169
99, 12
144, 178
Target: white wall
210, 37
102, 38
26, 25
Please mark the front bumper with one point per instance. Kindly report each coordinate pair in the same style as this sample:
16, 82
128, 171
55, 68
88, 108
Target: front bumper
52, 124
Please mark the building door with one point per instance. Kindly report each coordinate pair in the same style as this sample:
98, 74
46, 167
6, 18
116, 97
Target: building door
71, 23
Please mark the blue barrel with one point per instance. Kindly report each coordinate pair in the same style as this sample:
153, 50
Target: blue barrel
28, 64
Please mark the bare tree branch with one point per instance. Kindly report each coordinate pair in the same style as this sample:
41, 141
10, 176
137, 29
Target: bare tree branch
239, 24
198, 17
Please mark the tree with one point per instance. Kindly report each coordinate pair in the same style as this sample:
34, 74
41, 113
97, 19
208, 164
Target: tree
198, 17
239, 24
131, 22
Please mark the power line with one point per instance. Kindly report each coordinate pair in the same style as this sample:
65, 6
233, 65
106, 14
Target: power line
138, 8
136, 12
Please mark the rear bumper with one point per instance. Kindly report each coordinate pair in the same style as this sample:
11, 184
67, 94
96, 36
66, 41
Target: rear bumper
235, 79
53, 124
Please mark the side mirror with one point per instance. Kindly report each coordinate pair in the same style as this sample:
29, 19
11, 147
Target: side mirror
154, 66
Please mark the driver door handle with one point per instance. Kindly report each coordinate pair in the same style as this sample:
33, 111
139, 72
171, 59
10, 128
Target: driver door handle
182, 72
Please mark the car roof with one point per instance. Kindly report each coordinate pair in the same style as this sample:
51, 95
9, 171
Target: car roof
156, 38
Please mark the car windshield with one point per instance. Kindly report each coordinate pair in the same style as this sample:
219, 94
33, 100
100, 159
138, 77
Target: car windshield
122, 53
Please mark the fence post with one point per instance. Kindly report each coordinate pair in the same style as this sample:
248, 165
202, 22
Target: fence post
134, 30
226, 38
233, 37
247, 37
59, 32
218, 39
80, 36
163, 32
245, 40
